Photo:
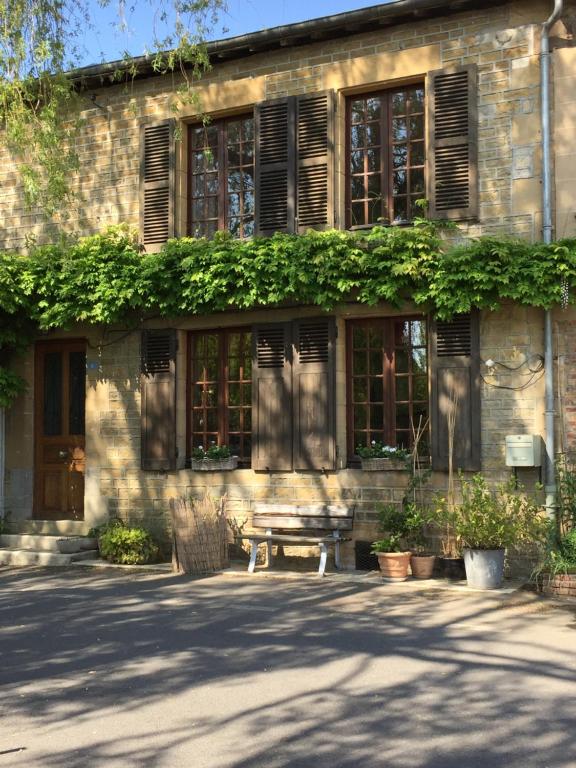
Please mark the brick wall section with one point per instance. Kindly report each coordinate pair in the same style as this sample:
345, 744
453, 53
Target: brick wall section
502, 42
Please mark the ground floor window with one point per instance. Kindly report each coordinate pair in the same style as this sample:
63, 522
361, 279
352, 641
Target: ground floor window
220, 391
387, 374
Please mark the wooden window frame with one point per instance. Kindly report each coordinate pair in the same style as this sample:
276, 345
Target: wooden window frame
223, 380
221, 196
386, 145
389, 388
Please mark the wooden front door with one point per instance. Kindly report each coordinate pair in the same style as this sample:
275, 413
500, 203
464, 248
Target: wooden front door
60, 394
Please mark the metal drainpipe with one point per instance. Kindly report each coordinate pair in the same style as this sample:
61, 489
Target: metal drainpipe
547, 237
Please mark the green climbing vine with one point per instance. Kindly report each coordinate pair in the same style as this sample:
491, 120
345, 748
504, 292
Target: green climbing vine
105, 278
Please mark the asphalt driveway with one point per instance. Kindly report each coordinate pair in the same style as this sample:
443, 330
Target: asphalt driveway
105, 668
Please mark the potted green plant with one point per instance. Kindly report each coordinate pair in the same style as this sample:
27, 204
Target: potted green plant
213, 459
487, 521
393, 558
378, 457
422, 561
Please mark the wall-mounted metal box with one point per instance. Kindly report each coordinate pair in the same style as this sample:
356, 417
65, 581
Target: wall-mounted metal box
523, 451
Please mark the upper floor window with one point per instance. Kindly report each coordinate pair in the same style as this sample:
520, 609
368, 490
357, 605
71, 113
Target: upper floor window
386, 151
222, 177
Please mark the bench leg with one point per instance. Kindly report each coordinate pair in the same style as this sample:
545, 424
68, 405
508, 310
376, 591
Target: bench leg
269, 553
337, 555
323, 557
253, 554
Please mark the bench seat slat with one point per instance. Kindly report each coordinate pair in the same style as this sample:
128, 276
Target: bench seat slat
326, 523
303, 510
290, 539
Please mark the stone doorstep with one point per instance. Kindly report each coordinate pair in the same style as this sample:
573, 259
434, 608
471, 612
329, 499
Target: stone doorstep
60, 528
23, 557
38, 542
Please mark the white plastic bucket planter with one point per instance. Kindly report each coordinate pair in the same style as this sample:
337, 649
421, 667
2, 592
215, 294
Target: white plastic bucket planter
484, 568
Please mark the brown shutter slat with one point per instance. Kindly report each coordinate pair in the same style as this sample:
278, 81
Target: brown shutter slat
314, 386
272, 397
455, 368
315, 160
451, 100
156, 184
275, 167
158, 399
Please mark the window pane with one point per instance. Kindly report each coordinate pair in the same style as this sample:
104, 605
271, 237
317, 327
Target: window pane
400, 155
403, 416
373, 108
359, 391
399, 129
417, 181
402, 388
357, 161
360, 420
417, 100
373, 158
399, 186
398, 103
417, 153
358, 190
52, 393
357, 111
359, 363
358, 214
376, 417
77, 377
400, 209
420, 387
360, 337
376, 390
376, 363
416, 125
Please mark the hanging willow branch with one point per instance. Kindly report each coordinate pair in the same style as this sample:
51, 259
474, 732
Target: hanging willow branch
40, 45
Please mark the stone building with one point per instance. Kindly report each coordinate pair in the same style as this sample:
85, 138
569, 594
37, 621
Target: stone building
338, 122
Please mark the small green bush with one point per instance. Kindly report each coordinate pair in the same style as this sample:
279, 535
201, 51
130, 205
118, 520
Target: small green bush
129, 546
568, 547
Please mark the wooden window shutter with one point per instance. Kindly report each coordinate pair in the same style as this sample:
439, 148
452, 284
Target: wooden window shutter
455, 369
272, 397
452, 166
314, 387
275, 169
158, 399
315, 158
156, 184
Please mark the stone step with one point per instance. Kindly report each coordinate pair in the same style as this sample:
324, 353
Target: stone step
23, 557
48, 527
44, 543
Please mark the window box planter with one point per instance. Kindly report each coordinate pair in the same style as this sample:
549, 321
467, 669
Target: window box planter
382, 465
214, 465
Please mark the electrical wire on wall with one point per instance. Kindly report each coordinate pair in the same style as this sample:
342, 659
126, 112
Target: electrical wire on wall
534, 365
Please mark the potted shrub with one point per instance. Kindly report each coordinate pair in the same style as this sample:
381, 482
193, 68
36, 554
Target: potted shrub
556, 575
422, 561
215, 458
379, 457
393, 558
487, 521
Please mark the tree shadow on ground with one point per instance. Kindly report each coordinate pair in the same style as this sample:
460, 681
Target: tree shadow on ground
268, 672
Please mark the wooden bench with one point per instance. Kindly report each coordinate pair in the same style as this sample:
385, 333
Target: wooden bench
296, 525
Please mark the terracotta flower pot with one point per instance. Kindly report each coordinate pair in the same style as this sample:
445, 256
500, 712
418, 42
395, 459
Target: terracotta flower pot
422, 566
394, 565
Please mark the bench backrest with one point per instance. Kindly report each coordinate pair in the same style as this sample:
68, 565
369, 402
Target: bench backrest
331, 517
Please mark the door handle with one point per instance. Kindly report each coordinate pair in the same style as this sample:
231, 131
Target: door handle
63, 454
